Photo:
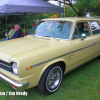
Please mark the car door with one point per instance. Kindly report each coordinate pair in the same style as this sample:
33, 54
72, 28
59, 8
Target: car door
95, 27
83, 48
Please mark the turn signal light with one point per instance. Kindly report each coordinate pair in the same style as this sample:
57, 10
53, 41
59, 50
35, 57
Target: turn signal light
29, 67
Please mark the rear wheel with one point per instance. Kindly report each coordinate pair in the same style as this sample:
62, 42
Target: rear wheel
51, 79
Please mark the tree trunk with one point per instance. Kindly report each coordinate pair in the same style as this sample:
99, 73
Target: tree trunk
80, 13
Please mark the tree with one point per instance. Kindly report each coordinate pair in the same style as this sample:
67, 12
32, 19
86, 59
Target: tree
69, 12
19, 19
81, 7
12, 20
86, 6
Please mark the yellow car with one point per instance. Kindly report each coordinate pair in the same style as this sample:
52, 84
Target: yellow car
58, 46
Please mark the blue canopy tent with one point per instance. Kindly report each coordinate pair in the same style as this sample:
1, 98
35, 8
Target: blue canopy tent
20, 7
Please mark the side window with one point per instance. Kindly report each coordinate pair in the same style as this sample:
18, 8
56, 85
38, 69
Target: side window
81, 27
95, 26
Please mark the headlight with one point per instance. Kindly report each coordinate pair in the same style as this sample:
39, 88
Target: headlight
15, 68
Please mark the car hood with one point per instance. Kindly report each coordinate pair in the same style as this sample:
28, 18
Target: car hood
17, 46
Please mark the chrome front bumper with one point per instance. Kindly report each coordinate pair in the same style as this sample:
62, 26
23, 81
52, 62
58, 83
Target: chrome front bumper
19, 86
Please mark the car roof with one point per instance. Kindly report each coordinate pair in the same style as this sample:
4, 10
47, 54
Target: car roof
73, 19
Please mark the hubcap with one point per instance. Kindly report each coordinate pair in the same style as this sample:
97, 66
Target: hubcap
54, 79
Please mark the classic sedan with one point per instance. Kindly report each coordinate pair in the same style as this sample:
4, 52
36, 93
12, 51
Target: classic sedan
53, 47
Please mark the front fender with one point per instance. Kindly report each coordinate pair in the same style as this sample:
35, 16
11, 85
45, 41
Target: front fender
50, 63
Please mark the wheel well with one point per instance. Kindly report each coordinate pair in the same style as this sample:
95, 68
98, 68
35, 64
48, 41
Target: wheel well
62, 64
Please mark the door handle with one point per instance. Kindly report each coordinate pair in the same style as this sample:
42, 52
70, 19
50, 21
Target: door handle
94, 42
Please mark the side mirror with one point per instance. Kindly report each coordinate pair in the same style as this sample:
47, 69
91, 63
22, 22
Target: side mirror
83, 36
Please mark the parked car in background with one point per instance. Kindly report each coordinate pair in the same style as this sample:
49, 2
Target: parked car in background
53, 48
94, 25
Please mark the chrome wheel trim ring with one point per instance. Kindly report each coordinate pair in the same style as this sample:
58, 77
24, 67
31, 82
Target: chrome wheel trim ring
54, 79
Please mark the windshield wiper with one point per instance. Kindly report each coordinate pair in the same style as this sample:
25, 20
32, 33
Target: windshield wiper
50, 36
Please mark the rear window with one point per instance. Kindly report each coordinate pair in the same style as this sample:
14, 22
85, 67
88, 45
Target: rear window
95, 26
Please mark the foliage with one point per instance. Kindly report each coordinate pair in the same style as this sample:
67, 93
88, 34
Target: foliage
19, 19
81, 7
11, 21
33, 19
69, 12
2, 25
85, 6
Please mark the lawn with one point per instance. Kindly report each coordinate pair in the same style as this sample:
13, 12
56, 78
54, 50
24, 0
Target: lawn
80, 84
1, 39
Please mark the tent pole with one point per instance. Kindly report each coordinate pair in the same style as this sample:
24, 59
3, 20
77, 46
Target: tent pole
25, 24
6, 26
64, 8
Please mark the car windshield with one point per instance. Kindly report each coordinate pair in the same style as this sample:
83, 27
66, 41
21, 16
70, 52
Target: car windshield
56, 29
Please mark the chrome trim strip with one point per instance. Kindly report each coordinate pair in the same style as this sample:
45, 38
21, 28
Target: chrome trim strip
69, 56
84, 48
51, 59
20, 86
81, 64
62, 55
5, 65
5, 61
10, 72
97, 43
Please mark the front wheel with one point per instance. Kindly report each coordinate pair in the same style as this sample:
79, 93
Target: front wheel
51, 79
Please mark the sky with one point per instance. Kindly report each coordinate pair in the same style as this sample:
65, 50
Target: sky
54, 2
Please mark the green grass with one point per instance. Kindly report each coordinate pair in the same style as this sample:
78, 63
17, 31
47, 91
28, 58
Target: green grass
1, 39
80, 84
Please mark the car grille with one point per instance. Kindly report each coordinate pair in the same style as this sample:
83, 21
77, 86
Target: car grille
6, 66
